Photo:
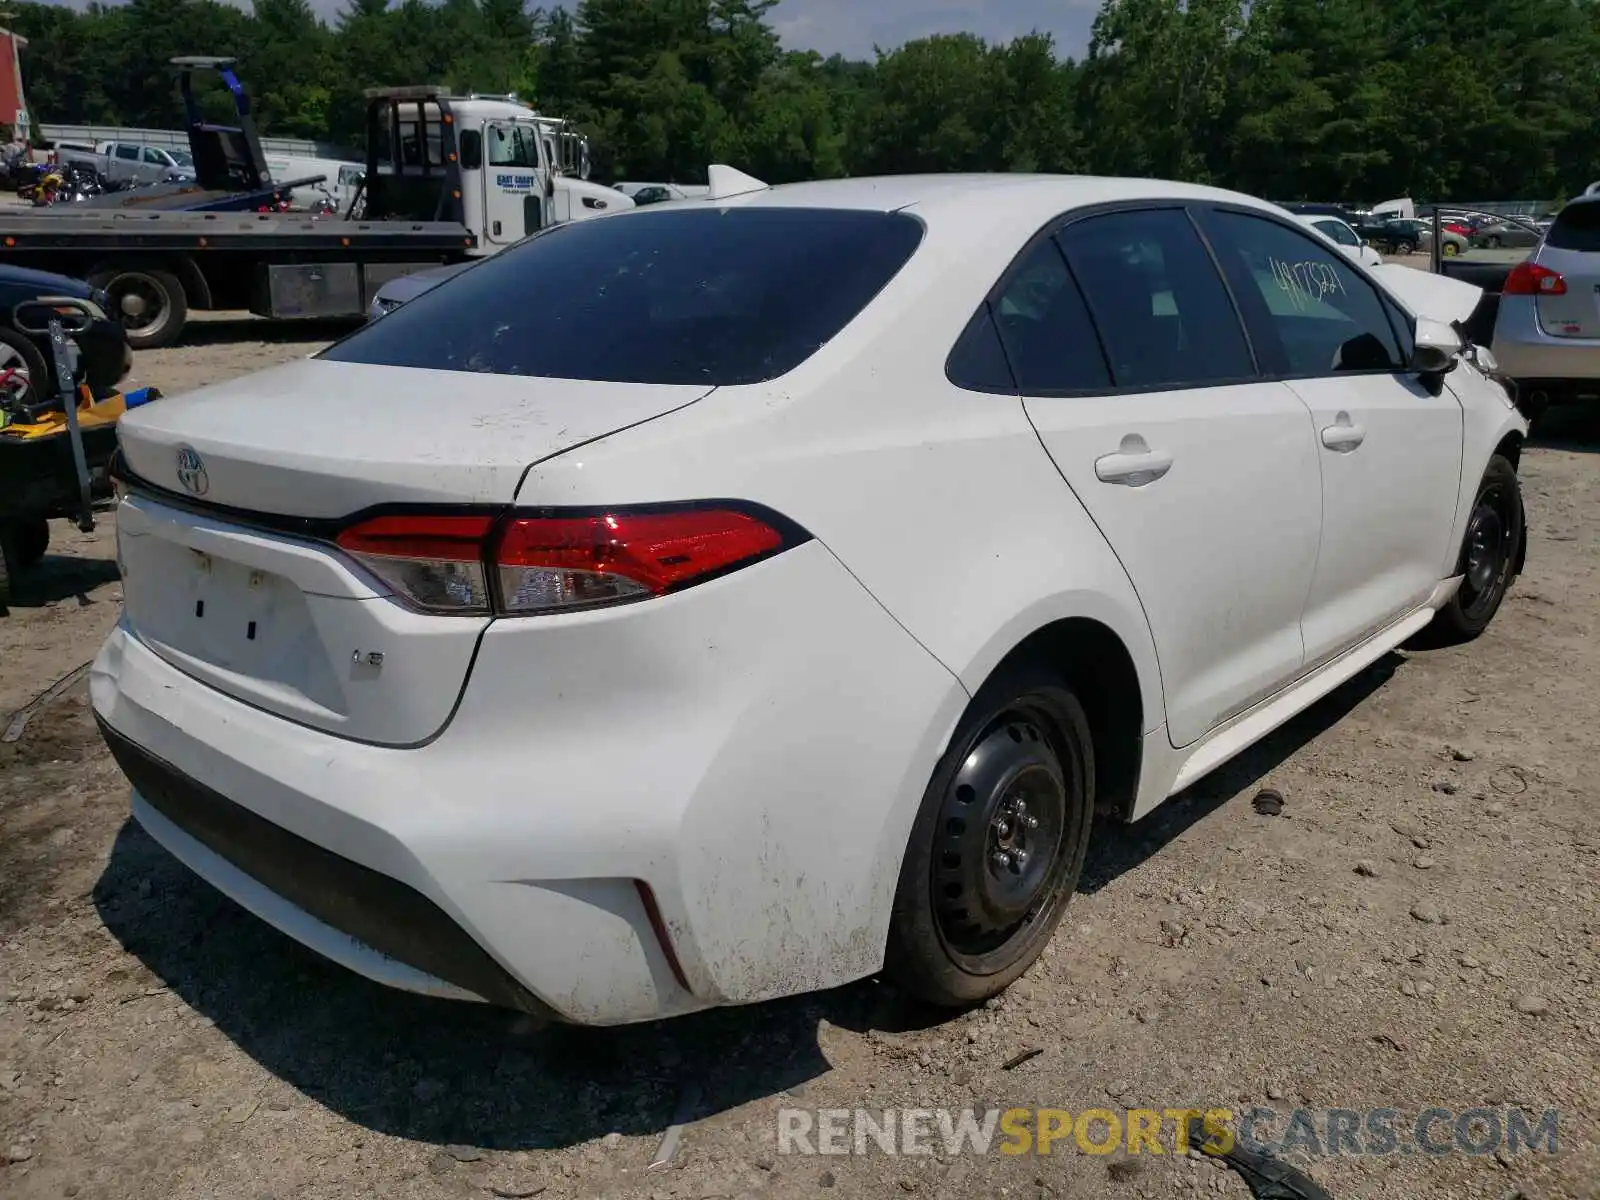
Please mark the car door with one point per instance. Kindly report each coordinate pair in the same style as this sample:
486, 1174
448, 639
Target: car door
124, 162
1136, 372
513, 199
154, 165
1388, 440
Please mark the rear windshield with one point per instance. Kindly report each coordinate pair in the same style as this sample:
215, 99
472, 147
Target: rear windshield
1577, 227
700, 296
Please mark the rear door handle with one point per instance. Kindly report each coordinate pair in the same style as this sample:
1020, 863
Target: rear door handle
1343, 435
1134, 465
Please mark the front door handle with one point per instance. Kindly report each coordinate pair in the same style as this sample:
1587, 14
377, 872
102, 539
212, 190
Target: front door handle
1133, 465
1343, 435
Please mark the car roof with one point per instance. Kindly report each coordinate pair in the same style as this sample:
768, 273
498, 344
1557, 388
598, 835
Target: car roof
977, 210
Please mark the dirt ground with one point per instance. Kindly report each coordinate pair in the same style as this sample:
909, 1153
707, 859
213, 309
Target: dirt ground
1418, 928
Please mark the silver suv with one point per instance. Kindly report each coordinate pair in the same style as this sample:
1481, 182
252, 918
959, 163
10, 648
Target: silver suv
1547, 334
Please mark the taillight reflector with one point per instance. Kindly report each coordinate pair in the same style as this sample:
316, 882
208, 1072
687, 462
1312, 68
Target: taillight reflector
553, 563
1531, 279
435, 562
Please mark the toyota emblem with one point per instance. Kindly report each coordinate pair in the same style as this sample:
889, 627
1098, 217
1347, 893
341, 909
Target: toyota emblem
192, 471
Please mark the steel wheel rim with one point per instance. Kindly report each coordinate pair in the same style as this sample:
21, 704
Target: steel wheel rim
1004, 826
141, 303
1488, 550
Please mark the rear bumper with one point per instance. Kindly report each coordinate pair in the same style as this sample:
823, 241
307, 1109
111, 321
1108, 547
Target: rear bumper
1526, 353
759, 778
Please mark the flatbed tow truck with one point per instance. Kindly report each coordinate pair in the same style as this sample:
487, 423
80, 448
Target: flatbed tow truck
447, 178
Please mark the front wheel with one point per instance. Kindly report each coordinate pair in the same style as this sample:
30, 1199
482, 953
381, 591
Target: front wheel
1450, 249
998, 845
1490, 552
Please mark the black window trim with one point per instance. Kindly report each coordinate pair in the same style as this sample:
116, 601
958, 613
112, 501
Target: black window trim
1404, 335
1050, 230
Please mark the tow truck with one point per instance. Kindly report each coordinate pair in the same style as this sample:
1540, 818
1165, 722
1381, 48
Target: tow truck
447, 178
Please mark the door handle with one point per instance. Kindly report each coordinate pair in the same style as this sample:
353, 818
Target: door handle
1343, 435
1134, 465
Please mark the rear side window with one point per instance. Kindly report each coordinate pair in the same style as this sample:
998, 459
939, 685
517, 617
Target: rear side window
1157, 300
1577, 227
1048, 334
700, 296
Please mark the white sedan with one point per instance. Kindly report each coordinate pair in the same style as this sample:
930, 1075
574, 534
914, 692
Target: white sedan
1340, 234
721, 601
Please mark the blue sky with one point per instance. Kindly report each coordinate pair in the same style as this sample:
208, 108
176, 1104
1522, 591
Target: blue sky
851, 28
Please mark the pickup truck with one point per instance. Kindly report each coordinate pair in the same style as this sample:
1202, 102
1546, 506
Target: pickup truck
133, 162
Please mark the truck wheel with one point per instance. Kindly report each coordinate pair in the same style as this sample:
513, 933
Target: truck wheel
150, 303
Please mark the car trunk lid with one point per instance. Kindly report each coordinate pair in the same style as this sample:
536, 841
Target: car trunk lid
225, 536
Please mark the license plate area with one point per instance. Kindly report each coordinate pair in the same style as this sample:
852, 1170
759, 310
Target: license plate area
234, 612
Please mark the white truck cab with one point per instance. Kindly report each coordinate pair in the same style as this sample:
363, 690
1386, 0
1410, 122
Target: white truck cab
519, 170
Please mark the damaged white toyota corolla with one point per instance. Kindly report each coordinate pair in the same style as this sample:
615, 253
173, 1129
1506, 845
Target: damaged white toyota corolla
735, 598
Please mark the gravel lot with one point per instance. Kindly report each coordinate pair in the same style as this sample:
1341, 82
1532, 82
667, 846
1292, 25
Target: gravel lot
1418, 928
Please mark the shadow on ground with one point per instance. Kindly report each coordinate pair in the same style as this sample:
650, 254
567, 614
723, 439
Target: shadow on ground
441, 1072
58, 577
1568, 427
226, 331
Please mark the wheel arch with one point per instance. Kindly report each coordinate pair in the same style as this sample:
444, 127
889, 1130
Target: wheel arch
1097, 664
195, 286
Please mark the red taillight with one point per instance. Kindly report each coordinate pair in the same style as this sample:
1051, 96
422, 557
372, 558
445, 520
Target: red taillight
435, 562
552, 563
1531, 279
542, 564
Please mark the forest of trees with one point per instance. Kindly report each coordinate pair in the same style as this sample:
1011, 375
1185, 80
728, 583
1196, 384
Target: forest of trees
1326, 99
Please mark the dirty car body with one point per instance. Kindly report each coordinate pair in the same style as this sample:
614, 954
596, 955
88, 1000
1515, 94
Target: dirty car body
716, 602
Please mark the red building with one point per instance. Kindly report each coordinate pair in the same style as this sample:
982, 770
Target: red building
11, 100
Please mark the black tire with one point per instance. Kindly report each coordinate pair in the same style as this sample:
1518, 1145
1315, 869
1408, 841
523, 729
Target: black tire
151, 303
1491, 551
32, 540
6, 560
986, 878
40, 380
1492, 242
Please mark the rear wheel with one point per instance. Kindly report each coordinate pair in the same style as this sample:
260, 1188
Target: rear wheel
1450, 249
150, 303
998, 845
1492, 241
1490, 552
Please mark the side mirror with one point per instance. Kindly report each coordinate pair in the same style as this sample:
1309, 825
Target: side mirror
1436, 347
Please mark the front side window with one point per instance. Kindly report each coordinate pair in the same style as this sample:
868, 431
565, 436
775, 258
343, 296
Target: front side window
1162, 310
702, 296
511, 146
153, 157
1307, 306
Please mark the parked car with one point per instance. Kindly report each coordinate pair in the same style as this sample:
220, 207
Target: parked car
1453, 243
1389, 236
1547, 332
27, 367
131, 162
717, 602
408, 287
1340, 233
1495, 234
